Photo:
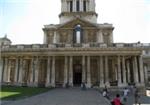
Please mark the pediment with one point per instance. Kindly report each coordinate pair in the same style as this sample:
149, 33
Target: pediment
73, 23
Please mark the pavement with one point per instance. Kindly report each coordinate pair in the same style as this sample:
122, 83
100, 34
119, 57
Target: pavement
144, 100
60, 96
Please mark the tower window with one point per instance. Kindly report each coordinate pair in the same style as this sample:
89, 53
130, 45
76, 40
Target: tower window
78, 5
71, 6
84, 5
77, 34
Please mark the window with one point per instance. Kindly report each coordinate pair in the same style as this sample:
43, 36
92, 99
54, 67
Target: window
78, 5
84, 5
71, 6
77, 37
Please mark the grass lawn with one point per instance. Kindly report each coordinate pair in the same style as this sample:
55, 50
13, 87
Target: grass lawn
13, 93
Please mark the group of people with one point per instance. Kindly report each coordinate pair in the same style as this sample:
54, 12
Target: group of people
123, 100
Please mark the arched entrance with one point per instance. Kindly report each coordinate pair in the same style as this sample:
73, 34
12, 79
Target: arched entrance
77, 74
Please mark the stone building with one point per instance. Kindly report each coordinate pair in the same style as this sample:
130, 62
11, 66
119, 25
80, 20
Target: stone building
76, 50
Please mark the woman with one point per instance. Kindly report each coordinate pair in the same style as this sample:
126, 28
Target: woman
116, 101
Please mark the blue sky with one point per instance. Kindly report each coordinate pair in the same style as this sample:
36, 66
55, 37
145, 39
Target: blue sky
23, 20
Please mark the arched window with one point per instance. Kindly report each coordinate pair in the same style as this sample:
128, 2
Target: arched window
77, 34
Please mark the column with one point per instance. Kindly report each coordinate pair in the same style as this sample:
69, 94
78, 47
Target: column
99, 36
16, 71
141, 70
106, 72
146, 73
88, 72
5, 70
124, 71
53, 72
20, 71
83, 69
74, 5
9, 71
32, 73
101, 72
135, 68
71, 71
65, 71
55, 37
1, 69
36, 71
64, 6
81, 5
128, 71
119, 73
91, 5
48, 83
87, 6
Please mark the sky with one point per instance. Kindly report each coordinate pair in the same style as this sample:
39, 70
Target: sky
23, 20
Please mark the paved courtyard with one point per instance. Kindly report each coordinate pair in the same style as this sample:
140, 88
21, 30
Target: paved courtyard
73, 96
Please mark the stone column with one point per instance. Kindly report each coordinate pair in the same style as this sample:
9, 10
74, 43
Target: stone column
83, 69
53, 72
48, 84
20, 71
32, 73
141, 70
16, 71
87, 6
119, 73
74, 5
124, 71
91, 5
81, 5
65, 71
36, 71
5, 70
135, 68
146, 73
88, 72
64, 6
9, 71
55, 37
71, 71
1, 69
99, 36
128, 71
101, 72
106, 72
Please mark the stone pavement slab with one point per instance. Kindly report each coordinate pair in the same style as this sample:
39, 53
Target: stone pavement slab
74, 96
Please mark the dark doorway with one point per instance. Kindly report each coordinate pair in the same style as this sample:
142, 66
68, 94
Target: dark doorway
77, 74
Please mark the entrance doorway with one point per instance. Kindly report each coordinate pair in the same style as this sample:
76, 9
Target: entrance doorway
77, 74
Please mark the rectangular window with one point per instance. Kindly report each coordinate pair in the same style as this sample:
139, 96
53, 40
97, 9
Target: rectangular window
84, 6
78, 6
71, 6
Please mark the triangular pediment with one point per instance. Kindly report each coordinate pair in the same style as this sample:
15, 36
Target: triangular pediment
74, 22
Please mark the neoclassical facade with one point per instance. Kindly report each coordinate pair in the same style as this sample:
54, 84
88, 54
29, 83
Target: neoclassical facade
77, 50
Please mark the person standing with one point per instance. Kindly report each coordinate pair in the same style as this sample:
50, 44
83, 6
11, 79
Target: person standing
125, 94
116, 100
137, 97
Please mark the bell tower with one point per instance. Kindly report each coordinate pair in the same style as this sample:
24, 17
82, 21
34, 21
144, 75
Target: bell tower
84, 9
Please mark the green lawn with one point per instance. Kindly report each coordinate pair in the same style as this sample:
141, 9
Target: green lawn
13, 93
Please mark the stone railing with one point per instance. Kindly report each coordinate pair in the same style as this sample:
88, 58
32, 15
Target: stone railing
83, 45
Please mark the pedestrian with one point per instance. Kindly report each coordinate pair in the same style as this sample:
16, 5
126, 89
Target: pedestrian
137, 97
125, 94
83, 86
105, 93
116, 100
